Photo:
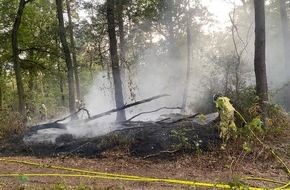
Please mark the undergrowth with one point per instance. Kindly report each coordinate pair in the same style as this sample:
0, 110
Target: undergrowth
270, 126
10, 124
254, 133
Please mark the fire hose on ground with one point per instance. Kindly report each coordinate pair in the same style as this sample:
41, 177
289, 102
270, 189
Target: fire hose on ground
111, 176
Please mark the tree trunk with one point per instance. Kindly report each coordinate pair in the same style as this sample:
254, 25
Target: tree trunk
286, 32
2, 86
286, 40
121, 32
259, 60
171, 41
15, 58
68, 60
1, 97
186, 86
121, 116
125, 67
62, 97
73, 49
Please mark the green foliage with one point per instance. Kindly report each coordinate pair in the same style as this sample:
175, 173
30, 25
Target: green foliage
252, 123
10, 123
246, 147
182, 139
277, 119
227, 131
249, 109
202, 118
185, 142
247, 100
120, 141
23, 178
236, 183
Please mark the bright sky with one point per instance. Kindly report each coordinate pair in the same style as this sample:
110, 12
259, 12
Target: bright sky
221, 9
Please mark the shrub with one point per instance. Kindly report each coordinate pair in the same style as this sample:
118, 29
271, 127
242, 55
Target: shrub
10, 123
248, 107
252, 125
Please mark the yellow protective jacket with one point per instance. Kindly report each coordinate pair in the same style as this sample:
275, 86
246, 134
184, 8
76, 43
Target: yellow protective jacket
223, 104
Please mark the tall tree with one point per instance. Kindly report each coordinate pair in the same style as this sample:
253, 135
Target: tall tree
259, 59
286, 41
121, 31
121, 116
171, 37
73, 49
285, 31
126, 70
15, 57
188, 53
66, 51
1, 88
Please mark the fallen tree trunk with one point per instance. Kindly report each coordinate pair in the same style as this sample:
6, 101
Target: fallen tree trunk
113, 110
57, 125
125, 107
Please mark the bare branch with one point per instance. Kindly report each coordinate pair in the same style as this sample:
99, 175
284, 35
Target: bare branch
74, 114
153, 111
184, 118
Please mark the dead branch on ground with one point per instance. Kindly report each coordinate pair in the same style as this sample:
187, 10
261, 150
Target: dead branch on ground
74, 114
152, 112
161, 152
184, 118
113, 110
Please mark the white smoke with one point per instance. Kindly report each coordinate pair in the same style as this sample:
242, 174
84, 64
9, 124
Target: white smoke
100, 97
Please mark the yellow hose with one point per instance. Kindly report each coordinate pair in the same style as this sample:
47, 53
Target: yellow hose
112, 176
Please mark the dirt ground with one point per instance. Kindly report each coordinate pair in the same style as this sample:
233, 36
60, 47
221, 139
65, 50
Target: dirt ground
213, 168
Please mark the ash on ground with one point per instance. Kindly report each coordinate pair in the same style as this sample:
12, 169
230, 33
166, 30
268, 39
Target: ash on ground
137, 138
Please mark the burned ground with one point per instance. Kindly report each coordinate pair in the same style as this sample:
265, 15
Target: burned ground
139, 139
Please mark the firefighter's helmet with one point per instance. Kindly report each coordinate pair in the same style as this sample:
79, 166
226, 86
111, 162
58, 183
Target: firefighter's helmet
215, 97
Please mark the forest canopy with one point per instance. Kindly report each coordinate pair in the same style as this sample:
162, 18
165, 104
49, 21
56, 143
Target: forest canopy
109, 53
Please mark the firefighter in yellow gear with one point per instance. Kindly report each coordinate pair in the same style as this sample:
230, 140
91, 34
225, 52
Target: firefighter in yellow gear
227, 119
43, 112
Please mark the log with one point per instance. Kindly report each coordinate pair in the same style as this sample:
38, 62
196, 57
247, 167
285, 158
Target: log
113, 110
125, 107
55, 124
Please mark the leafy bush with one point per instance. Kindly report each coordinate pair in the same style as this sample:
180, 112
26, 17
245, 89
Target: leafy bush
10, 123
255, 125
